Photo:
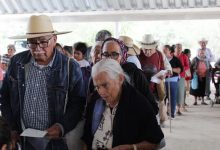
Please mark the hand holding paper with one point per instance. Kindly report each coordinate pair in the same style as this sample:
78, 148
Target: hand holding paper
157, 77
33, 133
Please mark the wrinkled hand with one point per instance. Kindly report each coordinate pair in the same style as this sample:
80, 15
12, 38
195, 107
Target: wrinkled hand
54, 132
169, 73
15, 138
123, 147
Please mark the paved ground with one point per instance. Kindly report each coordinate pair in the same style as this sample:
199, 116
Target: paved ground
197, 129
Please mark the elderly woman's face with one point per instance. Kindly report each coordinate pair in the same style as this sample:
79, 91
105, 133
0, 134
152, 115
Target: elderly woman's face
96, 56
202, 53
178, 48
107, 87
42, 48
111, 49
11, 52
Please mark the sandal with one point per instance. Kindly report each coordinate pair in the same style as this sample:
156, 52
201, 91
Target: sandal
179, 113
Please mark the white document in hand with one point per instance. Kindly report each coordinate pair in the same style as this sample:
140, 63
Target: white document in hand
156, 78
33, 133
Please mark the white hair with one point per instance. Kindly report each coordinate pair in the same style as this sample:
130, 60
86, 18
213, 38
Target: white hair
98, 43
109, 66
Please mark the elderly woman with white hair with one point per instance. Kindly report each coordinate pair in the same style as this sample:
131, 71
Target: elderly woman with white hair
121, 118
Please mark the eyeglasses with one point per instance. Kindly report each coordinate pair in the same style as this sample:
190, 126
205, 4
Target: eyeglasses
113, 55
42, 44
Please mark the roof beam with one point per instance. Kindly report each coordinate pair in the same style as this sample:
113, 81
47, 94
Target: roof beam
47, 5
93, 4
178, 4
115, 4
205, 3
165, 4
27, 5
128, 5
2, 8
191, 4
152, 4
218, 2
103, 4
139, 4
17, 6
58, 5
82, 5
8, 7
38, 6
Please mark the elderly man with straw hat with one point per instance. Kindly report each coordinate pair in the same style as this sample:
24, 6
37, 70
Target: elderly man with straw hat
42, 89
209, 57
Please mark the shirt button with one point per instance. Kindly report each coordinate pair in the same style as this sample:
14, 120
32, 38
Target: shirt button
34, 98
32, 112
36, 84
22, 84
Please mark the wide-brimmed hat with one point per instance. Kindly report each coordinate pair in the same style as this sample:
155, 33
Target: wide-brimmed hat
39, 26
132, 48
148, 42
203, 40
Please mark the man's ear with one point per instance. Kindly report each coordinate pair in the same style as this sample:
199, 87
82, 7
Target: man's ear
54, 40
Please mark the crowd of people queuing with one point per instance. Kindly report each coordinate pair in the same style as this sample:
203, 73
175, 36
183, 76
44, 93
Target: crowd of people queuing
51, 87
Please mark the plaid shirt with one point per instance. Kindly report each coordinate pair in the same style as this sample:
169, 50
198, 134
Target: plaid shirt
36, 109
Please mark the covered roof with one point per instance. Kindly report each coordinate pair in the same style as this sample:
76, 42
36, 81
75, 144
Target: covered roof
113, 10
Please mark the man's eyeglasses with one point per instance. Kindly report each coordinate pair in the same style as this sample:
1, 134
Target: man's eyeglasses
113, 55
42, 44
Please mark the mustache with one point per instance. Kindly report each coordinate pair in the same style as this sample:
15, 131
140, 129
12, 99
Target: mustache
39, 52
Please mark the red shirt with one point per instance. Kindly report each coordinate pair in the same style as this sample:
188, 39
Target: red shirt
156, 59
185, 63
201, 69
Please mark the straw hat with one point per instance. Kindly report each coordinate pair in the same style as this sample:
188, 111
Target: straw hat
132, 48
148, 42
39, 26
203, 40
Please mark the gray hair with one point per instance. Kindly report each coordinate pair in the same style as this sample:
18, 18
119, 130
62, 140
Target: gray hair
110, 66
11, 46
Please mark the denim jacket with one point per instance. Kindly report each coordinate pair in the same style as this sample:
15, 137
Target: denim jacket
13, 90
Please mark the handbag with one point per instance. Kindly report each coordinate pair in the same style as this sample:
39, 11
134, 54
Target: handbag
161, 90
194, 82
188, 73
73, 137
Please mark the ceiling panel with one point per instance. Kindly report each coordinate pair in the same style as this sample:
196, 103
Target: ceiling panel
101, 9
32, 6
